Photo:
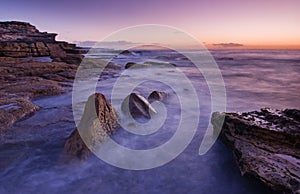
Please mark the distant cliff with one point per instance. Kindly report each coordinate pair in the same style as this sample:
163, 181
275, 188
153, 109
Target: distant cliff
21, 39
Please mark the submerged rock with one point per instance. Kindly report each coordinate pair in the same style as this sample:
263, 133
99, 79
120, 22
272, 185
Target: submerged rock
148, 64
126, 52
99, 120
266, 145
137, 106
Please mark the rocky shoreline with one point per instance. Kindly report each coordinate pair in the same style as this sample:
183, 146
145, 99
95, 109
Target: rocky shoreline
21, 39
23, 78
266, 145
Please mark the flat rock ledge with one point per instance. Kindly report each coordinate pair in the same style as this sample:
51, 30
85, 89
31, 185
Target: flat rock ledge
265, 144
21, 39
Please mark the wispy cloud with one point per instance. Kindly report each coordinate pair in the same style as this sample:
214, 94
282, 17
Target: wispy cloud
227, 45
106, 44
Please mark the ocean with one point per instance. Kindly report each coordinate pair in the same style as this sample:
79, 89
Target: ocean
253, 79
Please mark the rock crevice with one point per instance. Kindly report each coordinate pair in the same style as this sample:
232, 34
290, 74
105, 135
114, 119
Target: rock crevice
265, 145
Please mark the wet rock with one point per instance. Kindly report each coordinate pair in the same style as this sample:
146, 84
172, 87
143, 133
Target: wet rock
126, 52
129, 64
157, 96
69, 58
22, 80
137, 106
99, 121
226, 58
265, 145
13, 109
94, 63
148, 64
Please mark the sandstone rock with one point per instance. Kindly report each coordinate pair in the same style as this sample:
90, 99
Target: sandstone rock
20, 39
69, 58
99, 120
156, 95
22, 80
137, 106
22, 31
13, 109
266, 145
56, 51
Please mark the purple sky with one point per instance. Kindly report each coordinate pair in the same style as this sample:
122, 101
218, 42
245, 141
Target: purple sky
256, 22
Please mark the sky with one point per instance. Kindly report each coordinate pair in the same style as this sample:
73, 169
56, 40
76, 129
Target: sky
217, 23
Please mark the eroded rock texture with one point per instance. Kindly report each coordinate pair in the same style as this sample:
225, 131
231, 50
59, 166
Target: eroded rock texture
98, 122
20, 39
266, 145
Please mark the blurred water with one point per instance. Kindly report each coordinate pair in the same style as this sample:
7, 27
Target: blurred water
32, 162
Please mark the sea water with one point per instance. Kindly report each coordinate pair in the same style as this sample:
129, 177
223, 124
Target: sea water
31, 159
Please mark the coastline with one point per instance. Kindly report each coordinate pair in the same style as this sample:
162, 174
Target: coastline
28, 86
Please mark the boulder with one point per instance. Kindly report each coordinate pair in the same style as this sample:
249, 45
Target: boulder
157, 96
129, 64
266, 145
137, 106
98, 122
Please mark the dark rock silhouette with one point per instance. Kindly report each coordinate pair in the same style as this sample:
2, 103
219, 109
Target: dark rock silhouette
129, 64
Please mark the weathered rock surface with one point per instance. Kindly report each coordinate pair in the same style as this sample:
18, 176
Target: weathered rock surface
20, 39
157, 96
266, 145
22, 80
16, 31
137, 106
99, 120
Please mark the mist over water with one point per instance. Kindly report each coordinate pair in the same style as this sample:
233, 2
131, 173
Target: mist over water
32, 158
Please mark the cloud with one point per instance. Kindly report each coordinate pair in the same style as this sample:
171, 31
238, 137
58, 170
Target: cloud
227, 45
178, 32
106, 44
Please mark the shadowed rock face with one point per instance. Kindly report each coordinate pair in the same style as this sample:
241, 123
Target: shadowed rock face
99, 120
157, 95
137, 106
20, 39
266, 145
